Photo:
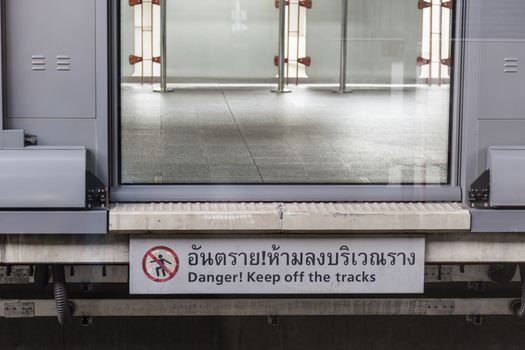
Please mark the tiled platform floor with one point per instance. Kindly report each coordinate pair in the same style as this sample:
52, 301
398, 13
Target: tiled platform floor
250, 135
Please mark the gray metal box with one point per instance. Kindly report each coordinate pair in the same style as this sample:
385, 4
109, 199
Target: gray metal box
507, 176
43, 177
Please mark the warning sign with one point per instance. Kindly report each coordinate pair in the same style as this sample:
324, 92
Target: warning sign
160, 264
280, 265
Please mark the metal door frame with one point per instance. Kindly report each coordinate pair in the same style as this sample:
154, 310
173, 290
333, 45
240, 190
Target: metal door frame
291, 192
2, 64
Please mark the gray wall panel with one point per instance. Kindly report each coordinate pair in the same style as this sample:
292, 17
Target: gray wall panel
501, 93
502, 19
58, 88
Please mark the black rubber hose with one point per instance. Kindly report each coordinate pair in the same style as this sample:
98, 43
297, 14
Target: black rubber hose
64, 308
521, 311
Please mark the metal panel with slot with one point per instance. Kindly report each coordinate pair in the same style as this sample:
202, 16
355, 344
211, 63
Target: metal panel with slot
493, 115
50, 57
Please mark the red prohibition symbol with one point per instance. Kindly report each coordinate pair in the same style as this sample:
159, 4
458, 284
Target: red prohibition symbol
160, 264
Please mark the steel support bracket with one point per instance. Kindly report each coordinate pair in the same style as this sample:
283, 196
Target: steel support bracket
135, 59
438, 273
303, 3
479, 192
439, 307
421, 61
422, 4
15, 275
19, 309
307, 61
476, 320
448, 5
306, 3
276, 60
447, 62
287, 3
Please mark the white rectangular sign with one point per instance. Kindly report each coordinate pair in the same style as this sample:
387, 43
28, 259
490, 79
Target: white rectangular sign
277, 266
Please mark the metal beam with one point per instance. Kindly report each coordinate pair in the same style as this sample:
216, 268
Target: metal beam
262, 307
64, 249
286, 193
475, 248
441, 248
20, 274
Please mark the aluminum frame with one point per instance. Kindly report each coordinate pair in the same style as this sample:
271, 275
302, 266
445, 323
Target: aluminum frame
290, 192
2, 65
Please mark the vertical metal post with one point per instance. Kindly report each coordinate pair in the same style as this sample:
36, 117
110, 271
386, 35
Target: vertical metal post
163, 49
2, 62
282, 43
344, 49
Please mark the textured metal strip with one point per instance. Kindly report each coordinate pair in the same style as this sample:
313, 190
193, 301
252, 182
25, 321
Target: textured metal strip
275, 217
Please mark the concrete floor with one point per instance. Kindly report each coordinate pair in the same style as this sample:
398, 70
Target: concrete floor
249, 135
254, 333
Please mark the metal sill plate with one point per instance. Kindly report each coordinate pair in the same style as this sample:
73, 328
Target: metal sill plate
288, 217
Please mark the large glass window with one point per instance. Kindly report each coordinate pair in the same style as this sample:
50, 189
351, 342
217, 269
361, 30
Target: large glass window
222, 124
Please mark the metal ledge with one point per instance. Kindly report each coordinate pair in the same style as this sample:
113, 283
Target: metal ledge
378, 217
184, 217
260, 307
288, 217
53, 222
498, 220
